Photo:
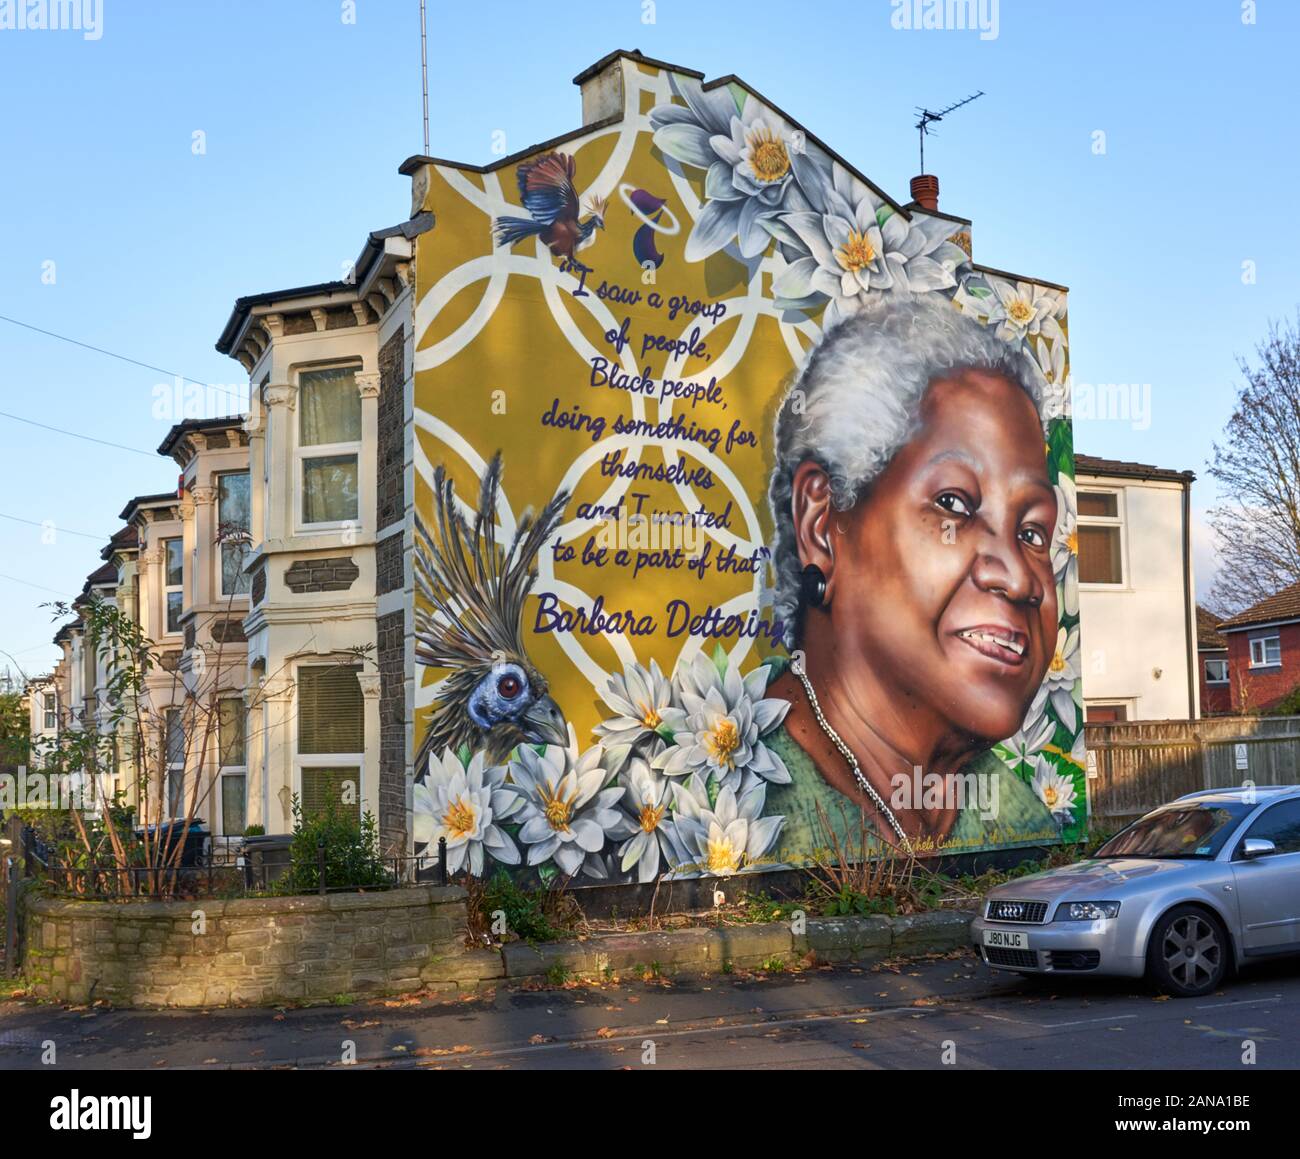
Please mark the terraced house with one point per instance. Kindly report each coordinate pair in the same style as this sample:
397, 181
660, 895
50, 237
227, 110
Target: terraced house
271, 580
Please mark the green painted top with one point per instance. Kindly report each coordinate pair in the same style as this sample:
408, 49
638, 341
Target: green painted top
1022, 818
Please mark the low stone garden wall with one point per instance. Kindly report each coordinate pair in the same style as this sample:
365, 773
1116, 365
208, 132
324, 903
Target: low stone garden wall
250, 951
724, 949
272, 951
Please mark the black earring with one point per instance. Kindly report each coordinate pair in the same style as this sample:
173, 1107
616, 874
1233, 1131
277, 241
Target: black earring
812, 585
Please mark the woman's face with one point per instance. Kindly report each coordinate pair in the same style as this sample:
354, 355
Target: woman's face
942, 571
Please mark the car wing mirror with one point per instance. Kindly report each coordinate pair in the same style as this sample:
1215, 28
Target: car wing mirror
1254, 847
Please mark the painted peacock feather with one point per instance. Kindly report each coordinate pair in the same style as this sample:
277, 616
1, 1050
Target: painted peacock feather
469, 619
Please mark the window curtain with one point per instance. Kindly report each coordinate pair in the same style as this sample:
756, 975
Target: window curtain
323, 787
329, 408
233, 805
231, 716
331, 715
329, 489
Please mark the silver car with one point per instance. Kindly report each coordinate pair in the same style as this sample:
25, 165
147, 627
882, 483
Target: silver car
1201, 886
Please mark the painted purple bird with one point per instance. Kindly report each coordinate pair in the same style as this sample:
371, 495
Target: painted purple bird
650, 208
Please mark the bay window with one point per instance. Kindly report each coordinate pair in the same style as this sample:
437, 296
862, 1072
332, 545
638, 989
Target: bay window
173, 582
331, 739
175, 752
233, 496
329, 446
233, 771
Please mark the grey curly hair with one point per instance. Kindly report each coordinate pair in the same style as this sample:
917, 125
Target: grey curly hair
859, 395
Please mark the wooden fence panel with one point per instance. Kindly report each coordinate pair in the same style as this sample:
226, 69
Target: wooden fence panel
1145, 763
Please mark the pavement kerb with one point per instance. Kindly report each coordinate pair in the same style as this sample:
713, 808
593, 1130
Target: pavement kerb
772, 946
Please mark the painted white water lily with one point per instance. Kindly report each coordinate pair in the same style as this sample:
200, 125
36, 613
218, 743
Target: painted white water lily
566, 812
1079, 750
647, 798
750, 155
725, 718
1022, 310
1034, 735
464, 805
1059, 686
1055, 791
728, 837
857, 243
645, 706
1047, 366
1065, 546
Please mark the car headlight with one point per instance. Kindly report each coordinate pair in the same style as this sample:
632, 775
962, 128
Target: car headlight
1086, 911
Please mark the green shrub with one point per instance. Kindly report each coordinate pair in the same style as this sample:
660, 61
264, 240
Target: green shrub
352, 858
525, 911
1289, 705
849, 902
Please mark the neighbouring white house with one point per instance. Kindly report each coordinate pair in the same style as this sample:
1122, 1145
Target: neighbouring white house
43, 714
1136, 595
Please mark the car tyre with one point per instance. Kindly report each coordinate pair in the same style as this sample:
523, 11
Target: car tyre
1188, 952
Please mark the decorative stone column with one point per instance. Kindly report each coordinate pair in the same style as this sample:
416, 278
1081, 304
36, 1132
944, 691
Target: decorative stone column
255, 429
205, 543
277, 765
148, 572
368, 466
281, 405
370, 684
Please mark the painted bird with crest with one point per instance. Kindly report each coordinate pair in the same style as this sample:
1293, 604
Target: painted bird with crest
471, 622
546, 189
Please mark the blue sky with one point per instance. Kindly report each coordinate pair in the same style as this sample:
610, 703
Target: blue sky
306, 118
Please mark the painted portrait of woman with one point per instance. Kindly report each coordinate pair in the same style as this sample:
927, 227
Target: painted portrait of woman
914, 521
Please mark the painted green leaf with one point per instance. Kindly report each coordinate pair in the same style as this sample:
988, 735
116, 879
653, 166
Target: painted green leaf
776, 666
720, 660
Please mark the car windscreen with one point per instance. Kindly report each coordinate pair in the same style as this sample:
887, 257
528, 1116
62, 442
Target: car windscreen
1185, 829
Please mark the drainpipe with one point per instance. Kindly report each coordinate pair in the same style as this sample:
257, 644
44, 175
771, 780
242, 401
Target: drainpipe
1189, 611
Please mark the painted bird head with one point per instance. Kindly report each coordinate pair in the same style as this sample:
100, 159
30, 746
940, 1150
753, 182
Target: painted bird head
510, 699
597, 207
470, 622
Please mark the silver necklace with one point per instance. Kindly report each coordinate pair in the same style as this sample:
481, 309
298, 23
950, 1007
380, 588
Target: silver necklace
852, 760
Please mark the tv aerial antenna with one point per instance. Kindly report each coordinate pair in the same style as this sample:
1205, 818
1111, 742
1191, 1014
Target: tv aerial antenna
929, 118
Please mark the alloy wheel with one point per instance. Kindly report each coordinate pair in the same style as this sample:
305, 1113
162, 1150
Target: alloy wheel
1192, 951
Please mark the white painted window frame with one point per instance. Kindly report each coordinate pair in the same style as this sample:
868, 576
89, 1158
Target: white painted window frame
302, 453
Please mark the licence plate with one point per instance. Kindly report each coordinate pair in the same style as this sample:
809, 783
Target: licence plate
1007, 939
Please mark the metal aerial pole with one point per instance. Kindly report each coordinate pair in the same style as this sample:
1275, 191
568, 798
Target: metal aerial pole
424, 72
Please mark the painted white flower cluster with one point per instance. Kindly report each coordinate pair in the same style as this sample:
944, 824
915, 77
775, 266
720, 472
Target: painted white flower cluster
675, 786
764, 180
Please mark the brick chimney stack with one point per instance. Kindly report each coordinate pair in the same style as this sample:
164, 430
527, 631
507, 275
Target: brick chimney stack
925, 191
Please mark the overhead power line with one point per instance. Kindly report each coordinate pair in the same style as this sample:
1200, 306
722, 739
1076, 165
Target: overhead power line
76, 434
53, 525
39, 587
114, 354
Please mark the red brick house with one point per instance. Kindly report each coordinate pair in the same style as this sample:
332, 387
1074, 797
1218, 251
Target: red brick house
1213, 663
1264, 651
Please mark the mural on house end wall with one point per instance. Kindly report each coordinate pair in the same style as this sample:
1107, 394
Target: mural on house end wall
745, 512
